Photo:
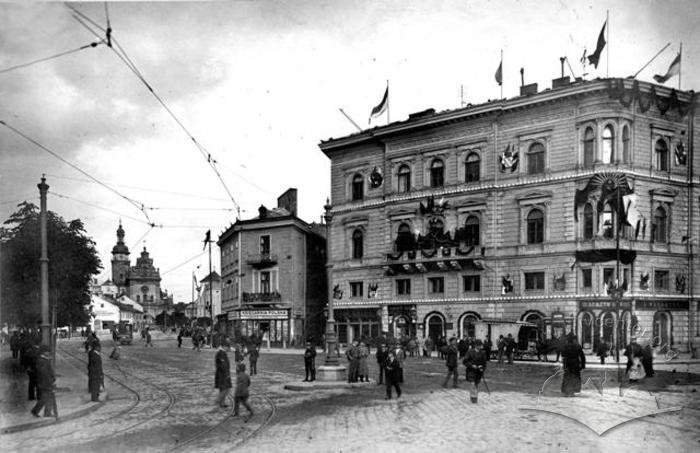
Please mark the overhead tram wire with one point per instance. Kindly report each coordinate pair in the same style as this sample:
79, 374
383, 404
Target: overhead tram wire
96, 206
41, 60
127, 61
143, 237
183, 263
137, 204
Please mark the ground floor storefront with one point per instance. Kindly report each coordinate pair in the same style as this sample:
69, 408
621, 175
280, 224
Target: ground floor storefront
662, 322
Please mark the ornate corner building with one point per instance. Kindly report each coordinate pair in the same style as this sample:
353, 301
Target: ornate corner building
574, 208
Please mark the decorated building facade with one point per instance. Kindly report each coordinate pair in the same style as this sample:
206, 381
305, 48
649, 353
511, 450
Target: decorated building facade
273, 275
520, 210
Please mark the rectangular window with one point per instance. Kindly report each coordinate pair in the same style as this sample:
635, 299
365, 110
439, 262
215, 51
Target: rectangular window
403, 287
587, 278
436, 285
265, 244
472, 283
534, 281
608, 276
661, 281
356, 289
265, 282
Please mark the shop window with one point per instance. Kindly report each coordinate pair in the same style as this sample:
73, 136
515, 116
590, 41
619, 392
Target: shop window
586, 278
588, 148
588, 222
436, 285
660, 226
437, 173
661, 282
471, 168
534, 281
403, 286
356, 289
608, 145
472, 283
587, 329
626, 144
535, 227
358, 187
471, 228
535, 159
357, 244
404, 175
661, 154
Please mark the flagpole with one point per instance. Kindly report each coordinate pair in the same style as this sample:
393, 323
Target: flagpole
649, 62
388, 104
680, 63
607, 38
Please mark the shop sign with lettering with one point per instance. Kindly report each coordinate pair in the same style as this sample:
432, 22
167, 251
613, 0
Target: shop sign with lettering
264, 314
662, 304
605, 305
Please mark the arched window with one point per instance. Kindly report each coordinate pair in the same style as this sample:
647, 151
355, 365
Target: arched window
472, 230
608, 222
588, 222
535, 159
357, 240
535, 227
662, 329
468, 326
626, 144
404, 238
587, 329
358, 187
588, 148
660, 227
404, 178
435, 327
661, 151
536, 319
471, 168
608, 145
437, 173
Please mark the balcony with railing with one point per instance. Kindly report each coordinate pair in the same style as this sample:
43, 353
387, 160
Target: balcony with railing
273, 296
261, 260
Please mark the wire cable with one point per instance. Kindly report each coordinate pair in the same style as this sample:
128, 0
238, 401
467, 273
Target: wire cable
41, 60
143, 237
183, 263
137, 204
87, 203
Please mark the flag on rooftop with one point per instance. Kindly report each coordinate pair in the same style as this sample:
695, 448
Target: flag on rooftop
207, 239
381, 107
594, 58
674, 69
499, 73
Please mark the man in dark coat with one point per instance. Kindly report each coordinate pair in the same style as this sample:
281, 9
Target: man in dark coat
392, 375
222, 378
602, 351
487, 347
475, 361
309, 362
353, 356
510, 347
381, 355
648, 360
31, 356
14, 344
253, 354
95, 375
574, 361
45, 382
450, 352
462, 347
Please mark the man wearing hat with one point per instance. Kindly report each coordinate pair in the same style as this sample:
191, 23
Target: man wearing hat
222, 378
475, 361
95, 375
450, 352
45, 383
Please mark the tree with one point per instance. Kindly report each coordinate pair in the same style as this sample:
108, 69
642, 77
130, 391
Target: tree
73, 260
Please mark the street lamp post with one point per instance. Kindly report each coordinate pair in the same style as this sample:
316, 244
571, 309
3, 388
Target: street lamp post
44, 265
331, 370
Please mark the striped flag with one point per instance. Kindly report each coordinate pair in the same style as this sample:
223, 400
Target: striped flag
674, 69
381, 107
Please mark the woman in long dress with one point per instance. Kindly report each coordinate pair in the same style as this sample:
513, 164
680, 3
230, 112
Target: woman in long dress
573, 361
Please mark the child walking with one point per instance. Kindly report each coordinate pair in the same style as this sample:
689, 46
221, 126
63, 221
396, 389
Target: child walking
242, 393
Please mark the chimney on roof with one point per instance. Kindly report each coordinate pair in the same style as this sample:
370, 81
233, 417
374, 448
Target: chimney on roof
262, 211
288, 201
526, 90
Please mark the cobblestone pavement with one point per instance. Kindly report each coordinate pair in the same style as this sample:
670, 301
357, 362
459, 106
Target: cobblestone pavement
162, 399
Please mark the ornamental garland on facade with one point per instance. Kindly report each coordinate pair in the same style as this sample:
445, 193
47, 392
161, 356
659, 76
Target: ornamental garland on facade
376, 178
617, 90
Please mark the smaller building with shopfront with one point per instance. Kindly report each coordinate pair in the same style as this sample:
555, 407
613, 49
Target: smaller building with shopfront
273, 280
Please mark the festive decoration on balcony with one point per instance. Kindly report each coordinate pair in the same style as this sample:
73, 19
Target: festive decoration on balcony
508, 159
337, 292
376, 178
617, 90
560, 281
507, 285
680, 283
433, 208
644, 281
680, 155
372, 290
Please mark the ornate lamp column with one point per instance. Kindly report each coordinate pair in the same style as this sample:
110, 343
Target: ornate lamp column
44, 265
331, 370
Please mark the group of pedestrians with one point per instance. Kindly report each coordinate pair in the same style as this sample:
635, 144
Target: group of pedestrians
222, 379
35, 359
474, 359
357, 354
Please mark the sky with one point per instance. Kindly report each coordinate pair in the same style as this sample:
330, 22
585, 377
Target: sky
258, 84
